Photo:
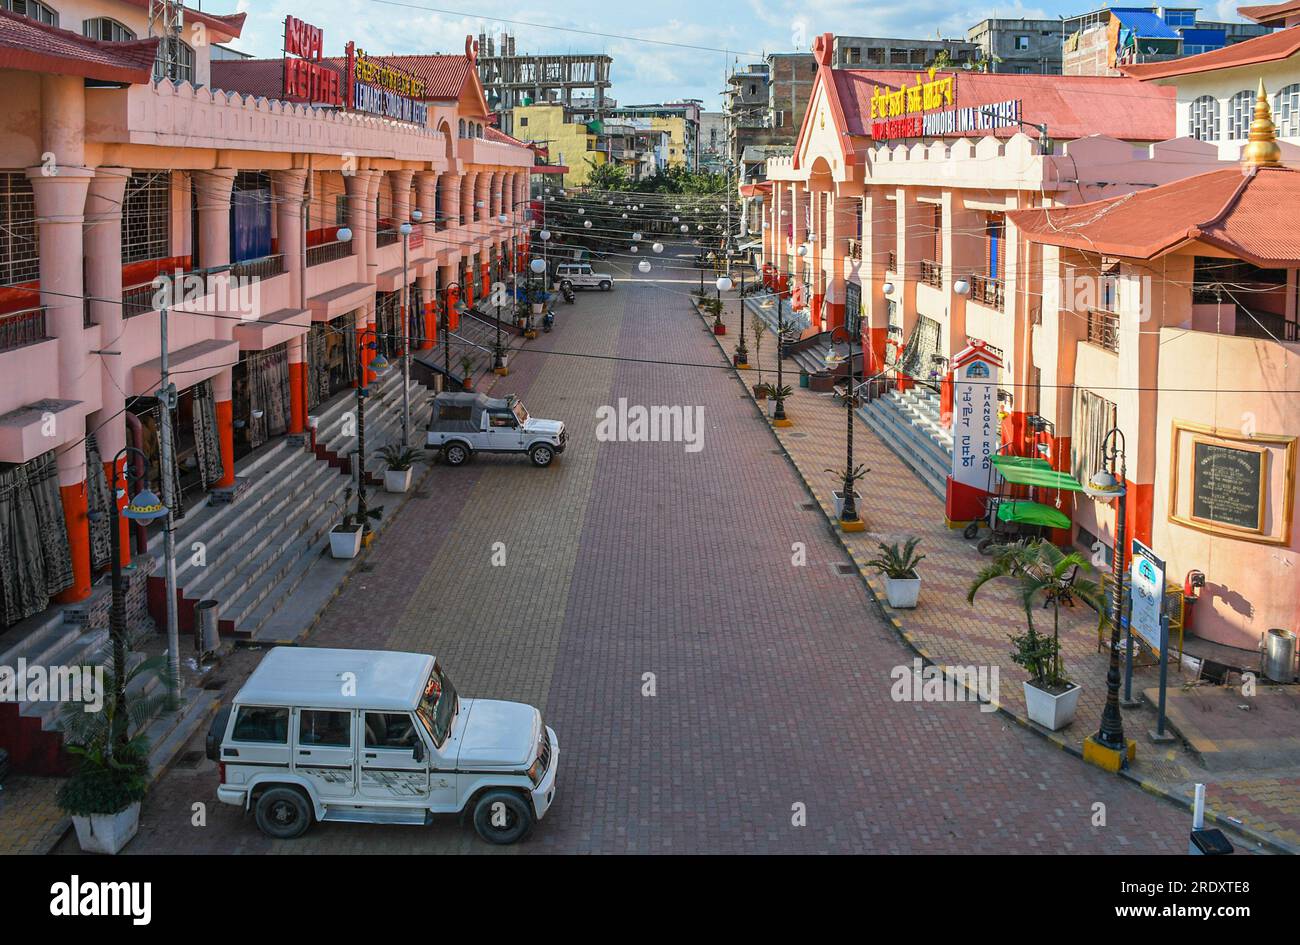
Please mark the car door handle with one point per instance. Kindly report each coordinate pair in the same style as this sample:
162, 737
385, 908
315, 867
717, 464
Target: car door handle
230, 752
304, 751
371, 755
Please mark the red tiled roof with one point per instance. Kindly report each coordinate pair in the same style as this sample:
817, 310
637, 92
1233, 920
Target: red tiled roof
496, 134
35, 47
1269, 48
1071, 106
231, 23
444, 76
1273, 13
1250, 216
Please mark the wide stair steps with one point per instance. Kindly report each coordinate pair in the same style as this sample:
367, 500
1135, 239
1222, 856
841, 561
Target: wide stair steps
31, 730
251, 555
908, 423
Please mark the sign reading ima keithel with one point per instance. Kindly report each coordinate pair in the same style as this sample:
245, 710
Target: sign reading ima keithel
926, 110
975, 426
375, 86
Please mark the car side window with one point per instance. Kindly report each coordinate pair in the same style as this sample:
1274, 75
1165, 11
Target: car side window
325, 729
390, 730
502, 420
262, 724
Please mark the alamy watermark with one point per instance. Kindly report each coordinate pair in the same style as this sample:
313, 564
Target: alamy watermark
656, 423
919, 683
34, 683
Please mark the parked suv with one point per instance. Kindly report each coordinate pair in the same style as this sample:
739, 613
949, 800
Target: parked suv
463, 424
580, 276
371, 736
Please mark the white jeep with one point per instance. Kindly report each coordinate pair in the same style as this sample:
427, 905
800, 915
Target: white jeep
377, 737
463, 424
580, 276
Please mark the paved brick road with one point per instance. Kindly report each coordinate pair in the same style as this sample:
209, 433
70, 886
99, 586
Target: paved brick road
771, 679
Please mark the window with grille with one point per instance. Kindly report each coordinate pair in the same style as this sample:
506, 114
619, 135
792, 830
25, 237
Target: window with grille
1203, 118
183, 59
340, 209
1241, 109
20, 252
33, 9
106, 29
1286, 111
146, 217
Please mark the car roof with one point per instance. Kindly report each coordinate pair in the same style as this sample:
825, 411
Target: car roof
314, 677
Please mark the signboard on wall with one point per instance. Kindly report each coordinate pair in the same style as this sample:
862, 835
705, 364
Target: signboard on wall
306, 77
950, 122
976, 430
381, 89
1228, 485
1146, 595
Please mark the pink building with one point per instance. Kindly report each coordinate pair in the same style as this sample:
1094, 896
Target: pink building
111, 176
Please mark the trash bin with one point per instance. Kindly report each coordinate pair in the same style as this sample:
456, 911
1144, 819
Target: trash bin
207, 639
1209, 843
1279, 655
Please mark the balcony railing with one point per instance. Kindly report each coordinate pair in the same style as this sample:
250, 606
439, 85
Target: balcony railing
1103, 329
328, 252
22, 328
986, 291
855, 249
262, 268
931, 273
138, 299
386, 238
891, 263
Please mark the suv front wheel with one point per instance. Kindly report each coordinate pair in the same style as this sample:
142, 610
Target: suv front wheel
541, 455
502, 817
606, 285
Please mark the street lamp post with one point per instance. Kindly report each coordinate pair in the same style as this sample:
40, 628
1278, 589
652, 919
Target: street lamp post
1105, 484
405, 230
145, 507
742, 353
446, 330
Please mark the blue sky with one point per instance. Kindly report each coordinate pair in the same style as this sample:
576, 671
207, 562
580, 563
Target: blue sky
642, 71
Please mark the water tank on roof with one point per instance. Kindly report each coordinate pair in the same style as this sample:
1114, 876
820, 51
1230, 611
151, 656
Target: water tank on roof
596, 126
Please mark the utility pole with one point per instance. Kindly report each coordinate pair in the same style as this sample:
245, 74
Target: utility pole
166, 20
167, 401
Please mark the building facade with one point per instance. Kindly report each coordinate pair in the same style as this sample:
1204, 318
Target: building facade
207, 194
1019, 46
1102, 41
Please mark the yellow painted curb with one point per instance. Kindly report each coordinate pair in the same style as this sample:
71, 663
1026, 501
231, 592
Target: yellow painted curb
858, 526
501, 372
1108, 759
783, 423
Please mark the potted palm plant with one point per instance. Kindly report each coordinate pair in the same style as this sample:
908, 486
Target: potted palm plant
398, 460
849, 478
776, 395
111, 778
345, 537
713, 308
759, 330
466, 372
898, 565
1045, 575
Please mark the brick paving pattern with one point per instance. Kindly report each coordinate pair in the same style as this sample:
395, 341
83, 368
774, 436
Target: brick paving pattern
771, 679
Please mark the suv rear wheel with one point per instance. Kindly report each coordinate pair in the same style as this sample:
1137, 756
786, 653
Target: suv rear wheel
502, 817
283, 813
455, 454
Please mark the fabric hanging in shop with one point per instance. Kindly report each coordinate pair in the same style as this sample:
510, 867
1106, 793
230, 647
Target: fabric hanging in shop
207, 440
318, 368
99, 500
351, 356
35, 559
268, 394
388, 318
152, 423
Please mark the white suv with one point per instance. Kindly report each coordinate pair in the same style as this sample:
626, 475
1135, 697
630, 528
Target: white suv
377, 737
580, 276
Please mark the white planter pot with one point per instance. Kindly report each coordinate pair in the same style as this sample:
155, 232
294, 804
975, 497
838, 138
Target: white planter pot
771, 406
1049, 711
902, 593
839, 502
345, 543
537, 308
107, 833
397, 480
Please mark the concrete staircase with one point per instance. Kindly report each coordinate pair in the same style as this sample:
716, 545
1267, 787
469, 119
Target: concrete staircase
256, 551
908, 423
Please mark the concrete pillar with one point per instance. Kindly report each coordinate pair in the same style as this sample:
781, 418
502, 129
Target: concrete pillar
360, 212
427, 287
482, 186
213, 190
449, 192
426, 191
370, 234
103, 247
467, 185
400, 183
290, 186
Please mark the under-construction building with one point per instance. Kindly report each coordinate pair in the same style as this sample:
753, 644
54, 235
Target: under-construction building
510, 80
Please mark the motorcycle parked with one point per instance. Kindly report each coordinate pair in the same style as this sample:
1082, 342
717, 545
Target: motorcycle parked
566, 290
548, 321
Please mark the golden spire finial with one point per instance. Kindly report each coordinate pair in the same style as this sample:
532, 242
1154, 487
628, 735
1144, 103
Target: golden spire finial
1262, 149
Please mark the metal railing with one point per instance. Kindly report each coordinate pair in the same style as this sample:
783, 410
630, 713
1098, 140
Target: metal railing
262, 268
1103, 329
855, 249
891, 261
986, 291
386, 238
138, 299
22, 328
931, 273
328, 252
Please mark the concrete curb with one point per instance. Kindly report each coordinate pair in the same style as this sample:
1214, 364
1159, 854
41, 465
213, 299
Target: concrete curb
877, 593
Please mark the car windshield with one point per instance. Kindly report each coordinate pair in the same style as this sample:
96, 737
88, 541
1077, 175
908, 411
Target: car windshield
438, 706
521, 414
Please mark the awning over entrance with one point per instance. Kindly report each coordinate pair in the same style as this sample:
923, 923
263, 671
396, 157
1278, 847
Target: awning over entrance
345, 298
1032, 471
194, 363
273, 329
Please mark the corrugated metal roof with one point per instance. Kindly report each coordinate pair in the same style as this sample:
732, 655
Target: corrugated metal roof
1269, 48
1144, 23
34, 47
1249, 216
1071, 106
